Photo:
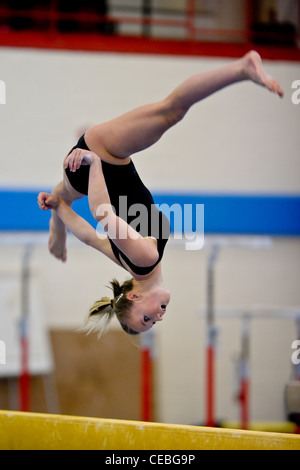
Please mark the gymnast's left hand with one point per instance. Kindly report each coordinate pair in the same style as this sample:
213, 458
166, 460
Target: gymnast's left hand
79, 157
48, 201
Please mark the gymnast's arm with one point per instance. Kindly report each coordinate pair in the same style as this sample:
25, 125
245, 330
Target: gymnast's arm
75, 223
141, 251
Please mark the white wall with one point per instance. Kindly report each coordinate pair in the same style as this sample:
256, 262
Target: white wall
230, 137
243, 139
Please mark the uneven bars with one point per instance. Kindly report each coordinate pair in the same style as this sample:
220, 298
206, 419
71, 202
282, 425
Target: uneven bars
255, 311
30, 239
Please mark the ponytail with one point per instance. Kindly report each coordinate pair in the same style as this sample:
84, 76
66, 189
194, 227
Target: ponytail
103, 311
103, 308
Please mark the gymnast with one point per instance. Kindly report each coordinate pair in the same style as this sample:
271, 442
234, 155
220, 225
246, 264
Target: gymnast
100, 167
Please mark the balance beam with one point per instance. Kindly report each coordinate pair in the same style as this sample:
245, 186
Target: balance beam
33, 431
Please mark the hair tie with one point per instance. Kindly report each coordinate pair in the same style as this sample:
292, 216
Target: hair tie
119, 298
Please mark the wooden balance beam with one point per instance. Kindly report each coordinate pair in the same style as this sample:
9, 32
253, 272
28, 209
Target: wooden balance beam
33, 431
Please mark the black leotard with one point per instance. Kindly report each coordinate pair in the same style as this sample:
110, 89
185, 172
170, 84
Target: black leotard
125, 189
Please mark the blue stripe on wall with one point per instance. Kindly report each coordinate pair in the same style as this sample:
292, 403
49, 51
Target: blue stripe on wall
240, 214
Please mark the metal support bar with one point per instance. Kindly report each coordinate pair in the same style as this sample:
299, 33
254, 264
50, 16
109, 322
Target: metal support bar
244, 372
24, 379
211, 339
147, 353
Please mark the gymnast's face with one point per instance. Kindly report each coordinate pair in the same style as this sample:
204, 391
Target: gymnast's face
148, 308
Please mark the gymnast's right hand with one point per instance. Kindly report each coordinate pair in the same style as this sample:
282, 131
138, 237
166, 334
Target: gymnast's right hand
79, 157
48, 201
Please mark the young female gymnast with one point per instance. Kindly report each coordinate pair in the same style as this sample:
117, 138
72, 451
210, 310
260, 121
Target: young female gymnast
100, 166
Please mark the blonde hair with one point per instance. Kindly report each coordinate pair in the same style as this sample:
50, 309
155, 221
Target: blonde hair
103, 311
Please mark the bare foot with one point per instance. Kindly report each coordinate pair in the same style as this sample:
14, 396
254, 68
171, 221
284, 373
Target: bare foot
253, 70
57, 242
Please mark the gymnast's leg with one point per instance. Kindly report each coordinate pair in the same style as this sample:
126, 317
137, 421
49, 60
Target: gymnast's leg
142, 127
